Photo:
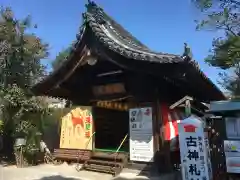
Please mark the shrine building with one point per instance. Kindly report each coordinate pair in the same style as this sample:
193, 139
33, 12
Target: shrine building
118, 77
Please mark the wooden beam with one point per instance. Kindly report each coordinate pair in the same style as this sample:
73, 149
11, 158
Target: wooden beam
83, 55
181, 101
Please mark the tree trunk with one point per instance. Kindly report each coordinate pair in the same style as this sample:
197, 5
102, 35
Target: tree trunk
21, 160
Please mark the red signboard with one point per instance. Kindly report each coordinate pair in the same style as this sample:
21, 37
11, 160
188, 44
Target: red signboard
190, 128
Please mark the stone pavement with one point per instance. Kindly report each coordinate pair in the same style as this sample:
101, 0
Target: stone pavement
67, 172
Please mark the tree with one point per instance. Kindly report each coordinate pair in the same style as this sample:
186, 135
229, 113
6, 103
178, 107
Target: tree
20, 68
21, 52
224, 16
60, 58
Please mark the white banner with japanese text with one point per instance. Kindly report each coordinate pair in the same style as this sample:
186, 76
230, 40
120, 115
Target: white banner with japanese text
141, 134
195, 162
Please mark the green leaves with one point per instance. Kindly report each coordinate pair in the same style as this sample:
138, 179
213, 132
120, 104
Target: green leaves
1, 126
61, 57
226, 13
203, 4
224, 16
225, 53
20, 68
20, 63
219, 15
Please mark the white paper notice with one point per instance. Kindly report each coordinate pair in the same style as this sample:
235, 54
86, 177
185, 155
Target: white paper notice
141, 134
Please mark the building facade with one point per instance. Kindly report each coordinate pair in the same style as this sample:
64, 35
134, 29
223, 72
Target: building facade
113, 72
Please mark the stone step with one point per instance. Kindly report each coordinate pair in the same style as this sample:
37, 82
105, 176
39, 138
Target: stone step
105, 163
100, 168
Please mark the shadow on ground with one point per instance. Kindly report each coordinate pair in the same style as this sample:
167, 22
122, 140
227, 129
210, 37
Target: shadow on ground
148, 178
136, 178
58, 178
67, 178
7, 163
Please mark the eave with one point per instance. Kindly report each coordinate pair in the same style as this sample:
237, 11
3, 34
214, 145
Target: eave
133, 55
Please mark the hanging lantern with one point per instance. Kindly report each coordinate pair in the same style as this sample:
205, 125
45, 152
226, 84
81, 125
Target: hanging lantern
90, 59
20, 142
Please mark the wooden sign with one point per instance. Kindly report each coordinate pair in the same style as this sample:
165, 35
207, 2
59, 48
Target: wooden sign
77, 129
113, 105
108, 89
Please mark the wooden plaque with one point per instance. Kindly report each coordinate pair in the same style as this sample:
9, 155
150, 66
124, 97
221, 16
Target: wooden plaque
115, 88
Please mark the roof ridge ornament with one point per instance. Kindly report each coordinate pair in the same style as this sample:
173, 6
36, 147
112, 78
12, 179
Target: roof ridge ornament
90, 4
187, 54
95, 11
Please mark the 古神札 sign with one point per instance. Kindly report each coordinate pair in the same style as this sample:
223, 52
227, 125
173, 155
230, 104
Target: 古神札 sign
141, 134
195, 162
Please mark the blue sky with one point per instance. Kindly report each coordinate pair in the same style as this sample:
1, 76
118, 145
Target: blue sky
162, 25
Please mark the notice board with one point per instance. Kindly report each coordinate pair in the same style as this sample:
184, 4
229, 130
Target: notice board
141, 134
77, 129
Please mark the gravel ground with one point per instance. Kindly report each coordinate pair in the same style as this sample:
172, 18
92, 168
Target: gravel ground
66, 172
49, 172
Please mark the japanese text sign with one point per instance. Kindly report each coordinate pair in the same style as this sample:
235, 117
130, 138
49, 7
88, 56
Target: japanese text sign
76, 129
194, 154
141, 134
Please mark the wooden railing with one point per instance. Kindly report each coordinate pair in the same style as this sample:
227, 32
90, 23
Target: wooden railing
119, 147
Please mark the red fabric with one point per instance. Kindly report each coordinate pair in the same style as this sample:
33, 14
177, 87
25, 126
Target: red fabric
167, 129
175, 125
166, 113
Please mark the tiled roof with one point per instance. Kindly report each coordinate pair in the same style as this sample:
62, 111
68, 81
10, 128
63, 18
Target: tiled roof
117, 39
